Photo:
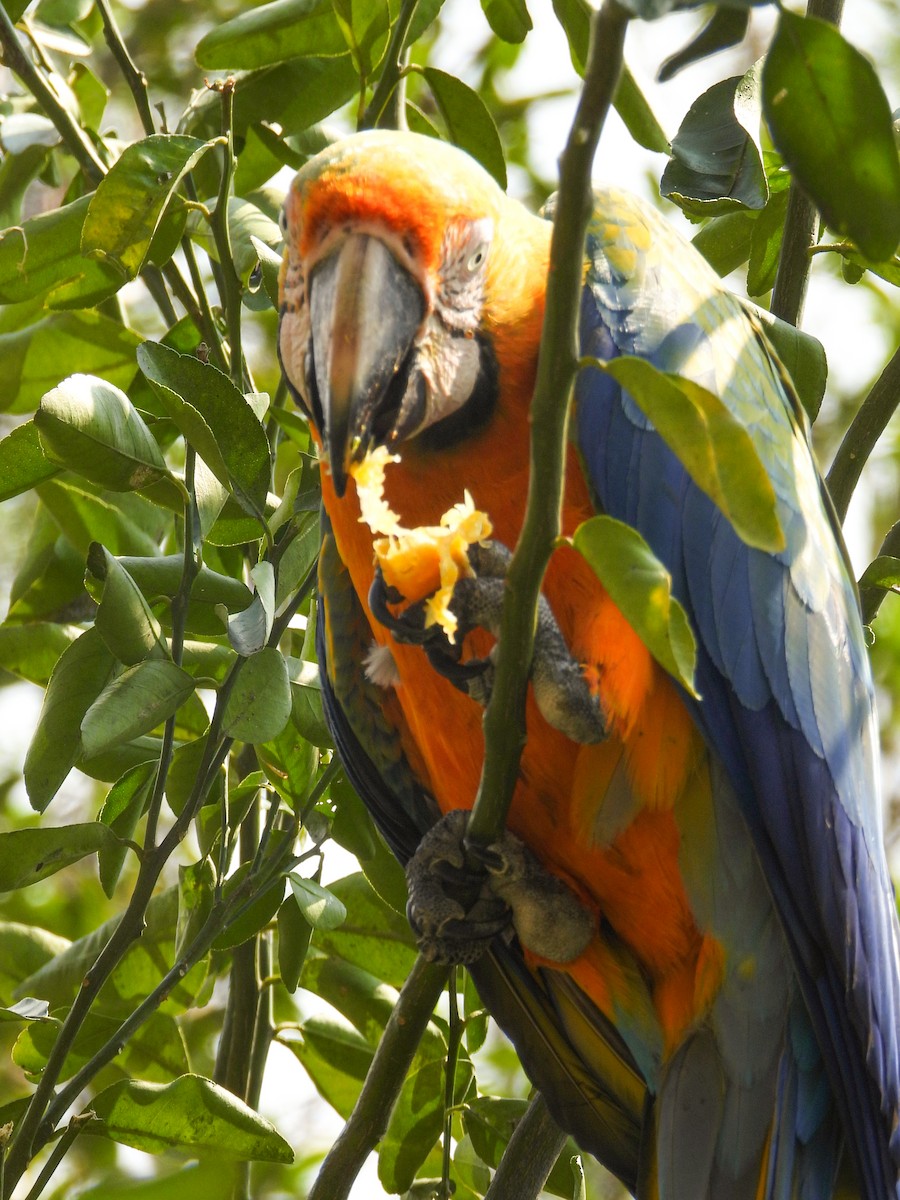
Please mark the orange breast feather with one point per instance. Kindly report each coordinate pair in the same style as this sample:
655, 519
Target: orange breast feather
633, 881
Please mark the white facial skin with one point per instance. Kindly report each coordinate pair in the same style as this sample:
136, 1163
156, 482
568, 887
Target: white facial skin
447, 357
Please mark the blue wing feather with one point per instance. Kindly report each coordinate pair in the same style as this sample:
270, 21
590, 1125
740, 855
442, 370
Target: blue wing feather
787, 698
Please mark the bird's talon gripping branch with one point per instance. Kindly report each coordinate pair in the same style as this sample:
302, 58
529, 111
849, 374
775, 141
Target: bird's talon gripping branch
560, 687
507, 887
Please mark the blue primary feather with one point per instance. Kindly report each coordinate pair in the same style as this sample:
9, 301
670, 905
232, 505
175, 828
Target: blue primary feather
786, 693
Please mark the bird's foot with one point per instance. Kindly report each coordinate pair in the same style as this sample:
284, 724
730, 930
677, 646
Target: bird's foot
508, 888
561, 689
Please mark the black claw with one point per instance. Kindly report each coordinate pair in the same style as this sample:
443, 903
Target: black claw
409, 627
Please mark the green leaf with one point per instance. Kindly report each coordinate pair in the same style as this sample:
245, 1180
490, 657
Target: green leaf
290, 765
725, 241
23, 463
802, 355
81, 674
255, 916
182, 776
883, 572
475, 1014
135, 702
716, 162
28, 855
307, 715
259, 706
209, 1178
28, 1009
633, 107
320, 907
829, 117
215, 418
129, 203
417, 1119
141, 969
121, 811
129, 525
641, 588
359, 996
123, 617
272, 33
294, 932
726, 27
161, 577
469, 124
296, 94
32, 358
364, 25
373, 936
352, 826
765, 245
32, 651
714, 447
490, 1122
336, 1058
157, 1049
509, 19
192, 1114
248, 631
44, 253
92, 428
24, 949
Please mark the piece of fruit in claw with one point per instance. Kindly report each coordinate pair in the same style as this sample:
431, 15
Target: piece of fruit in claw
423, 562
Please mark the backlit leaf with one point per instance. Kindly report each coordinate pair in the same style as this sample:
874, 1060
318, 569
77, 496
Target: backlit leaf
28, 855
641, 588
135, 702
829, 117
128, 205
78, 678
92, 428
190, 1113
714, 447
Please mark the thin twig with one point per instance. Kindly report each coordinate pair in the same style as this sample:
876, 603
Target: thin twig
60, 1150
76, 140
230, 282
136, 79
860, 439
389, 95
504, 720
454, 1041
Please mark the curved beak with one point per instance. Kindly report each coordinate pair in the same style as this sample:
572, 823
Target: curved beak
365, 311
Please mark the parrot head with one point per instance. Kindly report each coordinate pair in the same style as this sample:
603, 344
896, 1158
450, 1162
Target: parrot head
396, 292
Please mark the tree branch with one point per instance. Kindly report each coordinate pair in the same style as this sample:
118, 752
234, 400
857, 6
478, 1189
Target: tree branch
369, 1119
534, 1147
504, 720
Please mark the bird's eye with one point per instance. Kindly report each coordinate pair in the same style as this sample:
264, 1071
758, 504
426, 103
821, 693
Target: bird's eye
477, 257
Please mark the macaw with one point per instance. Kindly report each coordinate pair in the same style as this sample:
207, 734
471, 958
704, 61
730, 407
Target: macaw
725, 1022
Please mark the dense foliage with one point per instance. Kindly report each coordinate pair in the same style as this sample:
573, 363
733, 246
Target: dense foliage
164, 925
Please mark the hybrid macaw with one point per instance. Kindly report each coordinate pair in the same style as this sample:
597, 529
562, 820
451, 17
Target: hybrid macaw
726, 1023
